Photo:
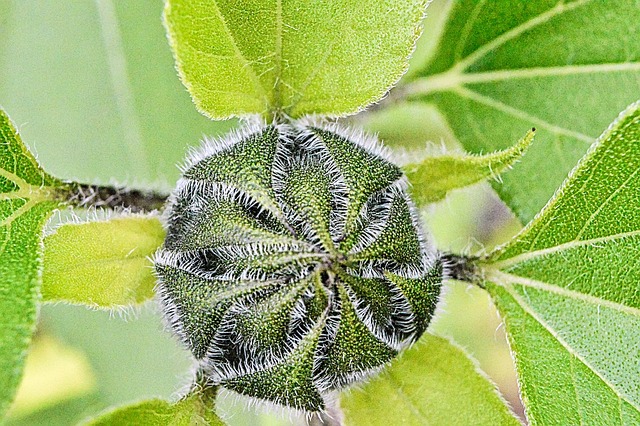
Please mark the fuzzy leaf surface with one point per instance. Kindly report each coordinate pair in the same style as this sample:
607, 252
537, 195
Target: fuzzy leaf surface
433, 383
27, 197
102, 264
296, 57
194, 410
568, 290
564, 67
433, 177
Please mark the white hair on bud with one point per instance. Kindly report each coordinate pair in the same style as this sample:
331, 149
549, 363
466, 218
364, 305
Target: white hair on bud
358, 136
212, 146
250, 274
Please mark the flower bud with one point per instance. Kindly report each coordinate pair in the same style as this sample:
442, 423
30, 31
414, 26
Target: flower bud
294, 262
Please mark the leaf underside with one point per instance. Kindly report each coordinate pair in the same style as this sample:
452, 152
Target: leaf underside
27, 197
564, 67
568, 289
297, 58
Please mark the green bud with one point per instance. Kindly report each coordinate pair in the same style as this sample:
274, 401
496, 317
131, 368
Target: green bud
294, 262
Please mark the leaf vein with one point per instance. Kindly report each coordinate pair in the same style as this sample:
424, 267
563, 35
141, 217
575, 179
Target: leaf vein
515, 32
602, 205
468, 26
528, 310
569, 245
505, 279
238, 53
518, 113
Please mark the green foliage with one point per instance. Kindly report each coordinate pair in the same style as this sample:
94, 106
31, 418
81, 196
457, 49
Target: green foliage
566, 286
567, 289
102, 264
434, 177
566, 68
293, 58
27, 197
196, 409
433, 383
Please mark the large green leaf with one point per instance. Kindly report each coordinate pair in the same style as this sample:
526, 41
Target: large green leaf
568, 289
197, 409
103, 263
92, 86
295, 57
565, 67
27, 197
433, 383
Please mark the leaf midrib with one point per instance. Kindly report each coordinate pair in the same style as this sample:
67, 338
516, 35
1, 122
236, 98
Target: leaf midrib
516, 31
504, 279
452, 79
530, 255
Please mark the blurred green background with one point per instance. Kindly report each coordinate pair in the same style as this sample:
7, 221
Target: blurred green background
92, 88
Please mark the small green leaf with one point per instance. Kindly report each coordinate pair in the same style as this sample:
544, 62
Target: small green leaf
296, 57
433, 383
567, 289
565, 67
194, 409
27, 197
103, 264
434, 177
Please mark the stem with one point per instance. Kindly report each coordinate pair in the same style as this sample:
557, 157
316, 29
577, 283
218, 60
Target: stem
461, 268
111, 197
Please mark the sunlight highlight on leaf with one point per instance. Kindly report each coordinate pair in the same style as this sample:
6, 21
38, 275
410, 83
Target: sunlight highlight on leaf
102, 264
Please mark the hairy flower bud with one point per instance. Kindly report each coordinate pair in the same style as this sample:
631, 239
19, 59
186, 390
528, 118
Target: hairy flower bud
294, 263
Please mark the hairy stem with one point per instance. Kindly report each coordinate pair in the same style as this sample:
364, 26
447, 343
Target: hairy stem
461, 268
111, 197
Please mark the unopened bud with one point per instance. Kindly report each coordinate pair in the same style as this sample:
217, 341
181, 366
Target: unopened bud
294, 262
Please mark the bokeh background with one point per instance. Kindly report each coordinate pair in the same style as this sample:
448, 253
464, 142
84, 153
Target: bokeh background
92, 88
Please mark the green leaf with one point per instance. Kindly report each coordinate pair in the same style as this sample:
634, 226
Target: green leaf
103, 264
297, 58
194, 409
433, 383
434, 177
567, 289
565, 67
27, 197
